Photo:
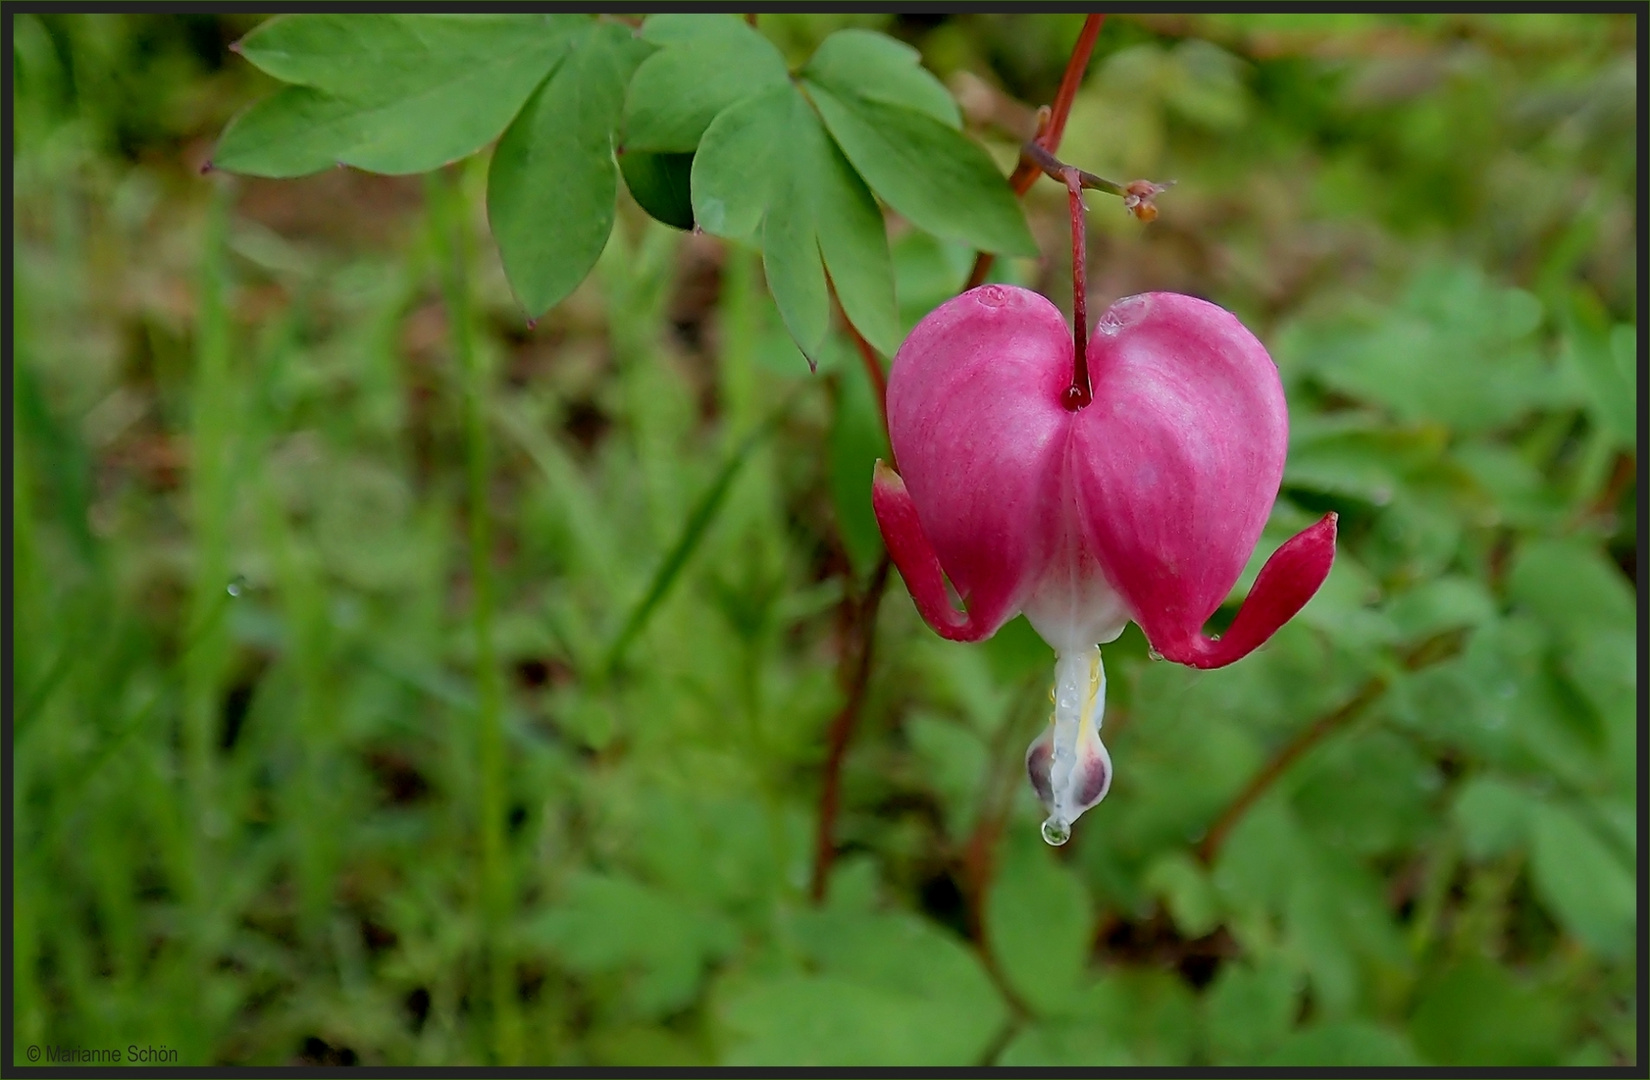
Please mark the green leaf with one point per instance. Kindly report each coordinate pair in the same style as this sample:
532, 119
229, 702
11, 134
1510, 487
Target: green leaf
1444, 603
716, 849
1064, 1042
552, 180
934, 176
1348, 1044
856, 442
1151, 1010
1250, 1009
864, 64
1476, 1013
1572, 587
710, 63
790, 259
1184, 888
660, 185
822, 1020
892, 990
596, 928
356, 54
1371, 793
927, 273
854, 243
675, 29
1459, 350
1039, 919
1493, 816
294, 132
1339, 927
768, 164
952, 758
1602, 359
1582, 882
412, 119
739, 164
901, 952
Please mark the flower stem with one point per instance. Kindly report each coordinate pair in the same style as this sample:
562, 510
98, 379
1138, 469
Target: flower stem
1055, 169
868, 357
1080, 393
1071, 79
1049, 133
862, 613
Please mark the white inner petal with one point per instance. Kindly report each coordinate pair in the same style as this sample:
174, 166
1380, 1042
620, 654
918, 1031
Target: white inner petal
1079, 768
1073, 606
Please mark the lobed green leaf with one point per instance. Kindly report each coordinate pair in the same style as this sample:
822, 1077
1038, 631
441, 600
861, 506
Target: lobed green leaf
552, 180
869, 66
363, 55
660, 184
406, 114
768, 164
1038, 920
933, 175
711, 63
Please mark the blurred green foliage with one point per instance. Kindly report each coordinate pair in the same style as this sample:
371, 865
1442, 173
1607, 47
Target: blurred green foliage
247, 712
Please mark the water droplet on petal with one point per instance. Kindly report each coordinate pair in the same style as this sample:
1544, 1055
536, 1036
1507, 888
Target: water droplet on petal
1126, 312
991, 295
237, 585
1153, 653
1056, 831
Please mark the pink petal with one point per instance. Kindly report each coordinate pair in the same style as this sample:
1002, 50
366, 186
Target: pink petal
1287, 581
975, 419
913, 555
1181, 454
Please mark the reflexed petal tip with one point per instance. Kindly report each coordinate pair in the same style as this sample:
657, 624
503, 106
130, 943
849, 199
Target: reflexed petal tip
913, 555
1288, 580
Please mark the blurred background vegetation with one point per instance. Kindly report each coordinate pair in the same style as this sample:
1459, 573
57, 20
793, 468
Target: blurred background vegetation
250, 690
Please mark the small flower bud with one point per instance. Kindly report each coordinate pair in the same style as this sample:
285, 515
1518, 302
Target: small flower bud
1139, 196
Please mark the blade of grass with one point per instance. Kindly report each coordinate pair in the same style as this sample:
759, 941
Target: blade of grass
212, 427
687, 541
448, 209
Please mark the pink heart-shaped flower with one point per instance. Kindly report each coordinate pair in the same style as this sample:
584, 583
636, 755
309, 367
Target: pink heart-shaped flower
1145, 504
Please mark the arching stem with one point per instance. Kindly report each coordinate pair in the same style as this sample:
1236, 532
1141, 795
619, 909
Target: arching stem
1080, 393
1048, 135
1071, 79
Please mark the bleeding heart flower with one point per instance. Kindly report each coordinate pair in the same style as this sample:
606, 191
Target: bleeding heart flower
1142, 503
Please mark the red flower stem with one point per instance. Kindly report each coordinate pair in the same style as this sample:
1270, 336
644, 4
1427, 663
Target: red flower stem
873, 370
1080, 392
1073, 77
1048, 134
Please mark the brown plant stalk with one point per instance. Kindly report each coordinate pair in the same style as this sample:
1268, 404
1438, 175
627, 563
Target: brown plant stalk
862, 619
1433, 650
